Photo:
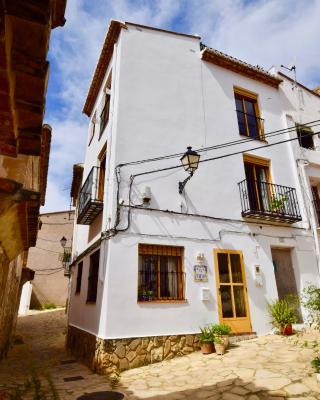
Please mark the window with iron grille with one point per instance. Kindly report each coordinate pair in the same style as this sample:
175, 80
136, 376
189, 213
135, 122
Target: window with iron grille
79, 277
93, 277
104, 116
160, 275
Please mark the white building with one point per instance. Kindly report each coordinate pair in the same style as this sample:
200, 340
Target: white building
243, 216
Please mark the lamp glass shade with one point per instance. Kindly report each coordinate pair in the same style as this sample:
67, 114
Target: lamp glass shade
190, 160
63, 241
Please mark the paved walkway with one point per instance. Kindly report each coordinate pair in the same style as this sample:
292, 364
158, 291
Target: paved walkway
271, 367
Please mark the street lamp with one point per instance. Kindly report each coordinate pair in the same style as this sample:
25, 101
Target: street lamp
63, 241
190, 162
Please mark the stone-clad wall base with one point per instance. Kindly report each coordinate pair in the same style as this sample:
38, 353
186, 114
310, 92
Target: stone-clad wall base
108, 355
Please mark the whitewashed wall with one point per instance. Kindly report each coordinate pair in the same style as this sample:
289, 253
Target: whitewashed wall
166, 98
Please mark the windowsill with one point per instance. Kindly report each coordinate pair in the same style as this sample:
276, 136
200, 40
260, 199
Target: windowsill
161, 301
250, 137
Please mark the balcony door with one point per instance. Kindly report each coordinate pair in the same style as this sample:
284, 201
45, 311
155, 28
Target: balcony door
232, 290
102, 173
316, 202
258, 178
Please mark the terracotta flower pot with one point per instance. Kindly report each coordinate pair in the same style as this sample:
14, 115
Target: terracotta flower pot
286, 330
220, 348
207, 347
225, 341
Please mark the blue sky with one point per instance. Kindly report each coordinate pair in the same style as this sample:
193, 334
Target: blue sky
261, 32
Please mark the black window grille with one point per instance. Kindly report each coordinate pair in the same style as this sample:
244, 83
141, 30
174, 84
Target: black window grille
93, 277
79, 277
160, 276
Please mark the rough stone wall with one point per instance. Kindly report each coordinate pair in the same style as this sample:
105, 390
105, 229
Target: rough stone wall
106, 356
10, 275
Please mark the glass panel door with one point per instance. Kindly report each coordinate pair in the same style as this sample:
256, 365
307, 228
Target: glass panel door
232, 291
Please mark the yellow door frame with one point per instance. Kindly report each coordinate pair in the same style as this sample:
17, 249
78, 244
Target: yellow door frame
244, 323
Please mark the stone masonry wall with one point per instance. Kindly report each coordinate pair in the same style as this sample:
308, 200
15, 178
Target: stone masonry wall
106, 356
10, 274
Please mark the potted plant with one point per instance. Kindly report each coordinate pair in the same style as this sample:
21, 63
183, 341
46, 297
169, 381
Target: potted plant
150, 295
283, 315
223, 331
206, 340
316, 365
219, 345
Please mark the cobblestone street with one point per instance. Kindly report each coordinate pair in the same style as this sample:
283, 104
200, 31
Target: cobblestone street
270, 367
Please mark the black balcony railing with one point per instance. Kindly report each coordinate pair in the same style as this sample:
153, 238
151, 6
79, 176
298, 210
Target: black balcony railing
316, 207
90, 198
265, 200
250, 125
155, 285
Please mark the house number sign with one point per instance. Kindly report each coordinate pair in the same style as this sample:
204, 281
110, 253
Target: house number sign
200, 273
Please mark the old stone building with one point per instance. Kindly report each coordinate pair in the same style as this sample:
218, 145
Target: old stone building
50, 282
25, 29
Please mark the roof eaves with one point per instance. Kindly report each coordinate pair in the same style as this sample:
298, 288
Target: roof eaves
241, 67
102, 65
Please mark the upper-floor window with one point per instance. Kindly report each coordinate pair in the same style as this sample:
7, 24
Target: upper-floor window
305, 136
249, 121
79, 277
92, 127
104, 116
102, 172
160, 275
93, 277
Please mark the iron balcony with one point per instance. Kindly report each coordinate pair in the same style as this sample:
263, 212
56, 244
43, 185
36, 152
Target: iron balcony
263, 200
90, 198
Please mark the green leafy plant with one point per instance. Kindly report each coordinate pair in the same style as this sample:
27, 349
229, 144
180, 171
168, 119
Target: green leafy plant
277, 203
311, 302
282, 312
217, 339
220, 329
49, 306
206, 335
316, 364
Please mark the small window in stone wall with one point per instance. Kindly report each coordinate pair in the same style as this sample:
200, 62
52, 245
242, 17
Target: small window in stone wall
79, 277
93, 277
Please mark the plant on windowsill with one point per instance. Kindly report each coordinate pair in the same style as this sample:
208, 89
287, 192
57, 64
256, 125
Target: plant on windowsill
283, 314
206, 340
219, 345
145, 295
223, 331
277, 203
150, 295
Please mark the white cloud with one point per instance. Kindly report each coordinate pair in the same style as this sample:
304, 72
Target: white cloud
262, 32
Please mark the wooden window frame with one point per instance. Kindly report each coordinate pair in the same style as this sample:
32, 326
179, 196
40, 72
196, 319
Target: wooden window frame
163, 250
102, 172
79, 277
259, 161
92, 127
247, 94
93, 278
105, 112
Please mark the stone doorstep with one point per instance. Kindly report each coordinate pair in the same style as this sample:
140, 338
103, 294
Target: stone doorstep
107, 356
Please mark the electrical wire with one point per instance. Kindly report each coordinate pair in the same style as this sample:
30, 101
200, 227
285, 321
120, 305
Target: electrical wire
312, 124
224, 155
51, 273
50, 251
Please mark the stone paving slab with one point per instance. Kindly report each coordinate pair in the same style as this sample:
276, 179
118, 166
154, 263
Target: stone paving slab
271, 367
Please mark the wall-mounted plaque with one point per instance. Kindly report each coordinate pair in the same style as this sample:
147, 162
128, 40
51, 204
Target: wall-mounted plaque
200, 273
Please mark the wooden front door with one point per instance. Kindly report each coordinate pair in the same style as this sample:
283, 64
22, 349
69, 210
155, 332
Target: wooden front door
232, 290
284, 273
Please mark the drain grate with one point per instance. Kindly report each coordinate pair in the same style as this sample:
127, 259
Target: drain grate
107, 395
73, 378
64, 362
